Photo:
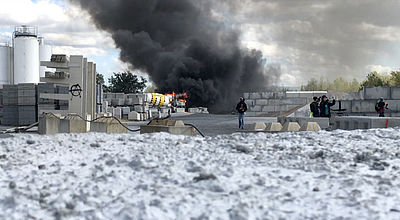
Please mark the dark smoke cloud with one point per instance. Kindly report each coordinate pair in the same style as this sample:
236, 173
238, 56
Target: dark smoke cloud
184, 48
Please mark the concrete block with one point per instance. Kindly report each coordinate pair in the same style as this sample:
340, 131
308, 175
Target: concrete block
10, 115
119, 95
291, 126
246, 95
256, 108
267, 95
250, 102
274, 101
294, 101
48, 124
125, 110
168, 126
395, 93
360, 106
269, 108
310, 126
273, 127
141, 108
262, 102
180, 110
393, 105
107, 125
72, 124
364, 122
255, 95
117, 112
134, 116
279, 95
27, 115
376, 92
117, 102
258, 126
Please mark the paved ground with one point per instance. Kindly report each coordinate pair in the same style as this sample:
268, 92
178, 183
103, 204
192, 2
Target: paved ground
212, 125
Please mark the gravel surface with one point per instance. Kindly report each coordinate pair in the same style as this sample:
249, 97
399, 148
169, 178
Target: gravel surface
305, 175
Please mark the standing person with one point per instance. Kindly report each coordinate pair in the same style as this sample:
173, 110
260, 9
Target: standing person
325, 106
241, 107
380, 107
314, 108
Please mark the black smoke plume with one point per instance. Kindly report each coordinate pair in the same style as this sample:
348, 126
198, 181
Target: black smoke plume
183, 47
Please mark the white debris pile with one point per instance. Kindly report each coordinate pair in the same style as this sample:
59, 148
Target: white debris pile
306, 175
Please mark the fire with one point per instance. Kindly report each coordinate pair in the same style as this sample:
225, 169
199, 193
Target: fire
178, 98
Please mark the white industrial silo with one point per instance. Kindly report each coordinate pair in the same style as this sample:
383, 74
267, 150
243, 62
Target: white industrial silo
45, 52
5, 64
26, 55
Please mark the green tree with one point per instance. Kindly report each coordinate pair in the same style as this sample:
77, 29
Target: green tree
312, 85
375, 79
395, 78
99, 79
126, 82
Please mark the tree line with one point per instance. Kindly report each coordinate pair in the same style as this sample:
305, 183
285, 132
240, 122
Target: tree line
373, 79
122, 82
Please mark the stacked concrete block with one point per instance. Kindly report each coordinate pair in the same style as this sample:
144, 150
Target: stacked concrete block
277, 102
45, 104
141, 108
377, 92
10, 115
364, 122
27, 115
10, 95
26, 94
10, 105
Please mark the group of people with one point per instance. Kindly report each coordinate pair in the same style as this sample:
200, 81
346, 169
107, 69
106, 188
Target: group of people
321, 107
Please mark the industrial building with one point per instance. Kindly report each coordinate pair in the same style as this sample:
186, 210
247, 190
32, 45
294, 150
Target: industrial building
34, 81
20, 62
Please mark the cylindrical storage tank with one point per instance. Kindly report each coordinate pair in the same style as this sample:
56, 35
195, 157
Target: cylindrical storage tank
5, 64
45, 52
26, 55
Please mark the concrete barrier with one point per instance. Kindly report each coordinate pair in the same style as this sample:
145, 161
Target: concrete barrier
322, 122
364, 122
258, 126
107, 125
72, 124
273, 127
48, 124
310, 126
168, 126
291, 126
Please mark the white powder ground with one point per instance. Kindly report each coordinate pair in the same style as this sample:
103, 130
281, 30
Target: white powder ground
307, 175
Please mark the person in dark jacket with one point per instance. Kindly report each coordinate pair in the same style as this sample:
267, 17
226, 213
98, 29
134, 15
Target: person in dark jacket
314, 107
380, 107
325, 106
241, 107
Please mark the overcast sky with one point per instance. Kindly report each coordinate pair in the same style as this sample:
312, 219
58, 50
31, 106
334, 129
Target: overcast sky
309, 38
